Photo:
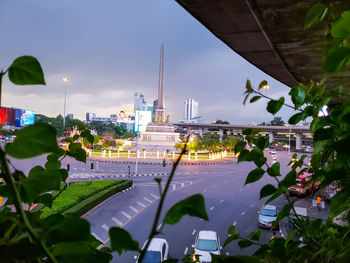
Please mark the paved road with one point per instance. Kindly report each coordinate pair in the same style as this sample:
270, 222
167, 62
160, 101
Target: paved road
228, 202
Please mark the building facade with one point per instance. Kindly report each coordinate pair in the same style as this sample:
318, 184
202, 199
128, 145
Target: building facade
139, 102
191, 109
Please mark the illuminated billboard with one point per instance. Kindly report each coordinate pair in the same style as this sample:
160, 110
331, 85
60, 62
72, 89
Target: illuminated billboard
126, 116
27, 118
142, 118
7, 116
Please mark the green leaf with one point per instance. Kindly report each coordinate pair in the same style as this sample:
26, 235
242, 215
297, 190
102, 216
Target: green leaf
254, 175
296, 118
337, 60
250, 131
289, 180
26, 70
244, 243
298, 96
323, 134
52, 165
341, 27
71, 229
248, 87
240, 145
290, 237
273, 106
192, 206
284, 212
339, 203
121, 240
255, 98
234, 259
315, 15
68, 139
45, 199
267, 190
32, 141
274, 170
255, 235
262, 84
91, 139
262, 142
75, 137
280, 191
171, 260
245, 98
231, 238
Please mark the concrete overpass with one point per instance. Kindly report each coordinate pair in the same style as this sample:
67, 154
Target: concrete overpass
297, 131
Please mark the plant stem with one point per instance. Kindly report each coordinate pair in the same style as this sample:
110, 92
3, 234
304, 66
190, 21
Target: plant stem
266, 97
5, 171
1, 75
161, 202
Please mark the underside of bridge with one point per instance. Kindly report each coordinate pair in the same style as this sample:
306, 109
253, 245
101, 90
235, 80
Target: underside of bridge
270, 34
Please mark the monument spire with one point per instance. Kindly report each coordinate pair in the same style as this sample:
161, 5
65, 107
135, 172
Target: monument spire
159, 115
161, 80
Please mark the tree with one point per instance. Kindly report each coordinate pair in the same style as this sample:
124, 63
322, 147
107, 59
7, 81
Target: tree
277, 121
229, 142
221, 122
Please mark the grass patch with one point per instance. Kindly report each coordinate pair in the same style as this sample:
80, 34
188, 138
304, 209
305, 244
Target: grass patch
84, 194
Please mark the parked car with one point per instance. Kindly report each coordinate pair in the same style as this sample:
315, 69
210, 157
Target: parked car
206, 242
267, 215
157, 251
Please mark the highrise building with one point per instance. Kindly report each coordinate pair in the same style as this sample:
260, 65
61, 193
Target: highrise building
90, 116
139, 101
191, 109
155, 105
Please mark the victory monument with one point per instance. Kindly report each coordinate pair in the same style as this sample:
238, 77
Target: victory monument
160, 133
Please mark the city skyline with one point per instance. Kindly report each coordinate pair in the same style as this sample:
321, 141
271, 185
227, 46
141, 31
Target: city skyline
108, 56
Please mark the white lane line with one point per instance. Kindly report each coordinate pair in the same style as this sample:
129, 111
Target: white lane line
182, 184
115, 220
252, 206
105, 227
221, 201
242, 213
75, 168
133, 209
97, 237
211, 208
186, 249
126, 215
159, 226
149, 201
234, 223
83, 169
141, 204
112, 171
194, 231
174, 187
205, 190
155, 196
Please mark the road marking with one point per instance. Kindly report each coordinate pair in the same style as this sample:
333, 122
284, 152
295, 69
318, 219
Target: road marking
174, 187
221, 201
105, 227
97, 237
115, 220
83, 169
125, 214
234, 223
186, 249
141, 204
75, 168
112, 171
182, 184
252, 206
194, 231
147, 200
211, 208
159, 226
133, 209
155, 196
242, 213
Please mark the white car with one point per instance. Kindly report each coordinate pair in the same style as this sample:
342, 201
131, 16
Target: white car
267, 215
206, 242
157, 251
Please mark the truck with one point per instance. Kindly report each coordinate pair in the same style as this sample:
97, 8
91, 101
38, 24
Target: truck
304, 185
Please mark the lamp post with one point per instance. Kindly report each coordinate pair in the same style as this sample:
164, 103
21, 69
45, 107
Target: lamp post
266, 88
65, 80
289, 144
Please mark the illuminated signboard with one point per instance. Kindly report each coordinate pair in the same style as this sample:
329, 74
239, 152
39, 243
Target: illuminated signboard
142, 118
27, 118
7, 116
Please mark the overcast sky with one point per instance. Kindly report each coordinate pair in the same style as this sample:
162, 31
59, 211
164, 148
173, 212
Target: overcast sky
109, 49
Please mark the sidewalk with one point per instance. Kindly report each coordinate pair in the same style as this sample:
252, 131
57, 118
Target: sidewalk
312, 212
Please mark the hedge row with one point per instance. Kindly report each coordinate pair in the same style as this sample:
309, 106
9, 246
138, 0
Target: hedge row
89, 203
78, 192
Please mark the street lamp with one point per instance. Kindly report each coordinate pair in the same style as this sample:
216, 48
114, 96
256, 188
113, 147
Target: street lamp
266, 88
65, 80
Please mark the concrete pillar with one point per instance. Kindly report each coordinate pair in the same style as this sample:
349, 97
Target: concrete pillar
221, 132
173, 155
196, 156
271, 138
109, 154
164, 154
298, 141
157, 154
129, 154
118, 153
144, 154
189, 155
